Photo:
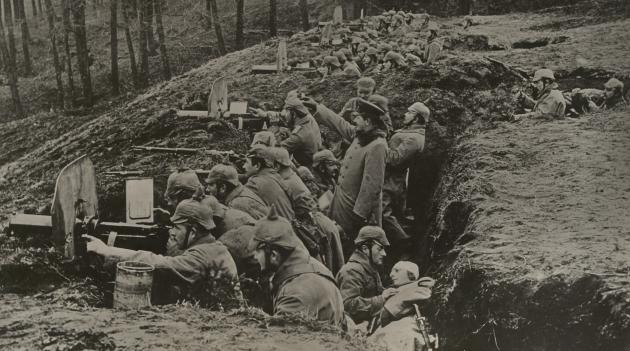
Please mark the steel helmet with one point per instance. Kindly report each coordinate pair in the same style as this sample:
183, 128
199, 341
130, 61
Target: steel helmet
192, 210
294, 103
371, 233
371, 51
420, 109
332, 60
274, 230
323, 156
184, 179
263, 153
614, 83
224, 173
366, 83
543, 73
281, 156
265, 138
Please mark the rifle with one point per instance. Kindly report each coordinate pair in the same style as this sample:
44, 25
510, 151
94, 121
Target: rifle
429, 345
184, 150
518, 73
125, 173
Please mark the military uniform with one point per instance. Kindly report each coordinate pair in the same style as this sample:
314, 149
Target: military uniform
404, 148
304, 141
550, 104
269, 186
300, 285
244, 199
232, 219
301, 197
361, 288
358, 197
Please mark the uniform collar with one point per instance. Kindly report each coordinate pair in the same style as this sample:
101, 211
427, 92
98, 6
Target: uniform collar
298, 262
363, 260
234, 193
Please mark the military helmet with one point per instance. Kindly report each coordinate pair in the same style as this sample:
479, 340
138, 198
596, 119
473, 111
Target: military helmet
366, 83
543, 73
218, 209
265, 138
371, 51
274, 230
395, 57
371, 233
281, 156
380, 101
324, 156
340, 55
263, 153
184, 179
614, 83
420, 109
293, 103
332, 60
224, 173
193, 211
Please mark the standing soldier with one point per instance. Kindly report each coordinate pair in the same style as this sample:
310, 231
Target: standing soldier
358, 198
223, 183
305, 139
359, 280
265, 181
405, 147
300, 284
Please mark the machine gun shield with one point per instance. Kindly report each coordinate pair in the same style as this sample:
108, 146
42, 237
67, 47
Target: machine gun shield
139, 200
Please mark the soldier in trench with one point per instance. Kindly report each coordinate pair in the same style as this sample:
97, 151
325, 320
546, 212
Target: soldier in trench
549, 101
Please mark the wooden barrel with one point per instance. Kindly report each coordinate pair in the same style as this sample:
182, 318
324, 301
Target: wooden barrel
133, 285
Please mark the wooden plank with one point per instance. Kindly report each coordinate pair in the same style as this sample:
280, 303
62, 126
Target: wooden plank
338, 15
264, 69
281, 60
326, 34
75, 197
218, 99
190, 113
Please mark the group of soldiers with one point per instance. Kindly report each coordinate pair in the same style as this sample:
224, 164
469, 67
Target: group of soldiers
389, 41
318, 223
318, 228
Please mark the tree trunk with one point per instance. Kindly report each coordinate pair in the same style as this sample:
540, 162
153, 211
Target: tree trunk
67, 28
143, 77
132, 56
217, 28
34, 6
8, 21
304, 14
208, 15
114, 46
9, 65
240, 4
273, 18
166, 67
39, 6
26, 38
50, 14
80, 38
152, 45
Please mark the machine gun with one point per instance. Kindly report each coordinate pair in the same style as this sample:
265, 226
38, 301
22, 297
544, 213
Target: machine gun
74, 212
227, 155
431, 342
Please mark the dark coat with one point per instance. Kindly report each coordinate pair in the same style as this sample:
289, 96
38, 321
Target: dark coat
361, 288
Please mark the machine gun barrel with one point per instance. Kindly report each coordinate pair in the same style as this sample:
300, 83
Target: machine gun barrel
125, 173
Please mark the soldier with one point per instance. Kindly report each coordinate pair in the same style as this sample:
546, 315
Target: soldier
264, 137
226, 218
370, 60
325, 172
365, 87
333, 66
359, 280
265, 181
357, 199
405, 147
301, 197
347, 64
203, 260
613, 92
223, 183
395, 60
549, 101
433, 48
181, 185
305, 139
300, 284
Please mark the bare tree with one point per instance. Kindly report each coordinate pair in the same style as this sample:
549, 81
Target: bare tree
208, 14
166, 67
152, 45
8, 21
217, 27
80, 39
126, 9
143, 76
9, 64
39, 6
273, 18
26, 37
239, 23
50, 15
304, 15
34, 7
67, 29
114, 46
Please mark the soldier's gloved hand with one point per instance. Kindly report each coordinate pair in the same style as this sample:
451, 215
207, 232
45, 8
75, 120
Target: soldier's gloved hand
389, 292
310, 103
257, 112
95, 244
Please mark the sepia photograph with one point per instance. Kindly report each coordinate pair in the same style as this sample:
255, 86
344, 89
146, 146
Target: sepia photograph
317, 175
